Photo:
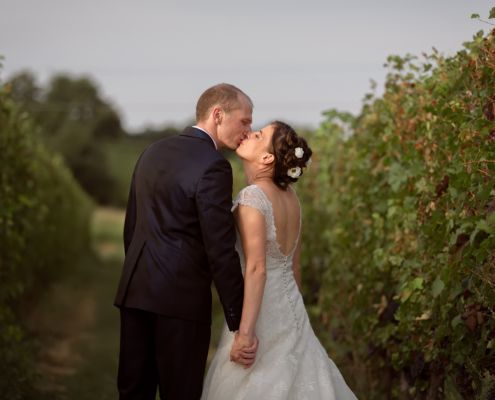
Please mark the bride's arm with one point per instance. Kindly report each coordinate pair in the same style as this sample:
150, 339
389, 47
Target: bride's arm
251, 225
296, 266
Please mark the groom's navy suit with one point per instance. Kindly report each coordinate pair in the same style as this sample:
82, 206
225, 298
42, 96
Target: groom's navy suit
179, 235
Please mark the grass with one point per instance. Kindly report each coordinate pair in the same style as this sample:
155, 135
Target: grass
96, 372
76, 321
78, 325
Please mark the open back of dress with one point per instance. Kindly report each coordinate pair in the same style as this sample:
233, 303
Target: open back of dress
290, 362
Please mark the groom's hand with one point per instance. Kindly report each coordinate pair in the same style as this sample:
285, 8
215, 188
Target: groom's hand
244, 349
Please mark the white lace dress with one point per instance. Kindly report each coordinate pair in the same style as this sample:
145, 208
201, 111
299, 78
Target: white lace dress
290, 362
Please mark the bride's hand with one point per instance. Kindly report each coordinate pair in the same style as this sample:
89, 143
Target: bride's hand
244, 349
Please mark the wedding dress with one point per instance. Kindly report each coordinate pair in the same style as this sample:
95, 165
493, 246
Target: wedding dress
290, 361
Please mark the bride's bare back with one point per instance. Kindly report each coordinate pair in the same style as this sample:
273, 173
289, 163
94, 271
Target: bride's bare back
286, 213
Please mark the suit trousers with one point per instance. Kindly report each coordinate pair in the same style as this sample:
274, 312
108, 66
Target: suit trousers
159, 351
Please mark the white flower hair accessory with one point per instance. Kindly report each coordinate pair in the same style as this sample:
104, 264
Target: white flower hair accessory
299, 152
294, 172
308, 163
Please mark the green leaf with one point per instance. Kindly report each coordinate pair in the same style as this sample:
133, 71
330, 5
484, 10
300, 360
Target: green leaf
475, 16
455, 291
437, 287
481, 225
396, 260
422, 185
379, 257
397, 176
450, 389
417, 283
455, 321
491, 219
492, 13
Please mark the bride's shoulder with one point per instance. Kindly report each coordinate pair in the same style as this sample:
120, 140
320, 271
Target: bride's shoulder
248, 190
253, 196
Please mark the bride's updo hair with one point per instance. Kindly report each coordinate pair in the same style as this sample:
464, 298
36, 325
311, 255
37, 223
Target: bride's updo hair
291, 154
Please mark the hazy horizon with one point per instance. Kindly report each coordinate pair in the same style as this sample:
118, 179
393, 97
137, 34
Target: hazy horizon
153, 59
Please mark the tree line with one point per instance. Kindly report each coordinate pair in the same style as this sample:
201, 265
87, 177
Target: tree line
76, 121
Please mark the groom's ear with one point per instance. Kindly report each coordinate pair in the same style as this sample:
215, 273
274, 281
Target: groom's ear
268, 158
217, 115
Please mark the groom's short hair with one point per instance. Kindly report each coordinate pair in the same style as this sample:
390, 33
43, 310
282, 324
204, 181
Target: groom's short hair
225, 95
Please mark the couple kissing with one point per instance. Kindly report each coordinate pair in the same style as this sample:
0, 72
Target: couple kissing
182, 232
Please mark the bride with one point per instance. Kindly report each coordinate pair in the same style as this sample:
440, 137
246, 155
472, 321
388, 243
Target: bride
290, 362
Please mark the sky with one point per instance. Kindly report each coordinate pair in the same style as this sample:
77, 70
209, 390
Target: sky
152, 59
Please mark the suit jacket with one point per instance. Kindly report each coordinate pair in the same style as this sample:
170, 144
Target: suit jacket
179, 232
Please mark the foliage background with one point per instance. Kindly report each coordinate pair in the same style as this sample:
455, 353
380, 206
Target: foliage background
399, 246
399, 225
42, 207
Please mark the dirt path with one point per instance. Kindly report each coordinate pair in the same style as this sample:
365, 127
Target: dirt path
62, 331
78, 326
76, 323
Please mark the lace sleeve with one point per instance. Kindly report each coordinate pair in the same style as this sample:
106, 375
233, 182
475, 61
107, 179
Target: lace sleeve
251, 196
254, 197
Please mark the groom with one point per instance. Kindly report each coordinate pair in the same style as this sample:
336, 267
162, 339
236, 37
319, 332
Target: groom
179, 235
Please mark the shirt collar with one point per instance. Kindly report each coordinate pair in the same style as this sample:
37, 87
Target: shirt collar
211, 137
